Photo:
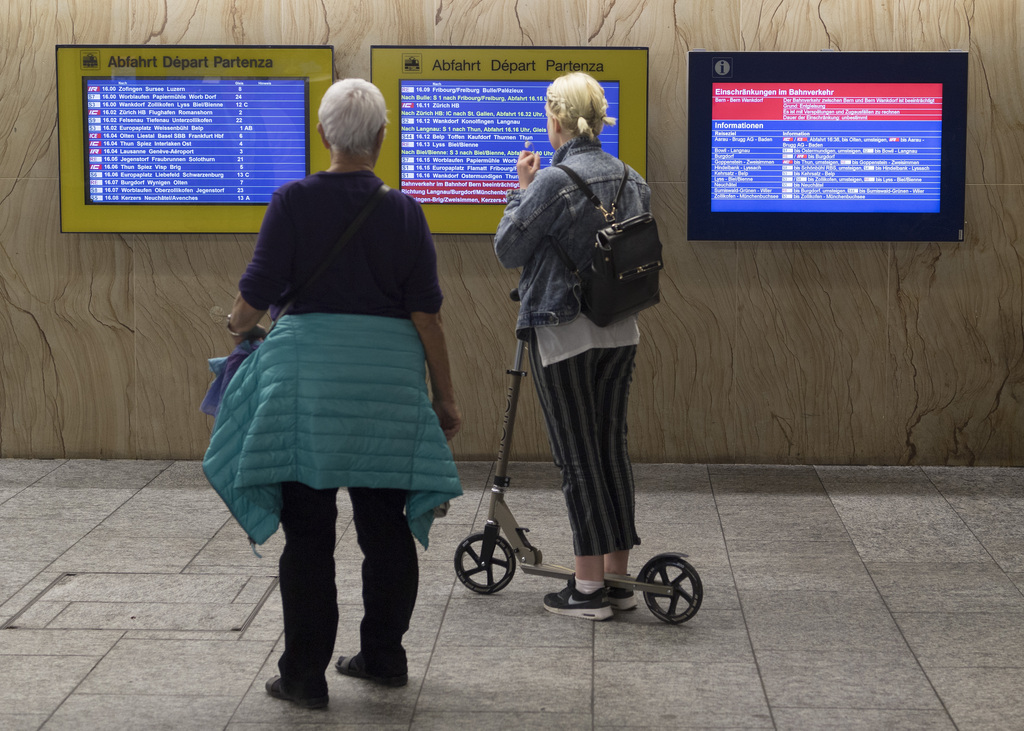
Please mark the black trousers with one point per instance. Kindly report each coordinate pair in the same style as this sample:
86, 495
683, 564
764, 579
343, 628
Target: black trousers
309, 595
585, 400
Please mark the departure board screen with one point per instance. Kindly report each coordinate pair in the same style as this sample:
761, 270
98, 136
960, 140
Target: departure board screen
826, 147
193, 140
460, 140
462, 115
167, 138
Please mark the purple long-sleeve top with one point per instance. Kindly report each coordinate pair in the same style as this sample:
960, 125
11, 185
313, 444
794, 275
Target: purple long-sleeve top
389, 268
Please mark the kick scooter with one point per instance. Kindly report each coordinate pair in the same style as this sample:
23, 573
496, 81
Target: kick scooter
486, 562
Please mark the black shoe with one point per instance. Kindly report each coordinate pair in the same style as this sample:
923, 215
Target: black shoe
275, 690
354, 667
622, 600
574, 604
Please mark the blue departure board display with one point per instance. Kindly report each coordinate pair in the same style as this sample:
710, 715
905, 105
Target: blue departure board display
193, 140
460, 139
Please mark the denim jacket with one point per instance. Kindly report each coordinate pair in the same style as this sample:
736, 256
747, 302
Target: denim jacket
552, 209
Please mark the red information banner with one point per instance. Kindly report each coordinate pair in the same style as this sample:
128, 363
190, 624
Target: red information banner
827, 102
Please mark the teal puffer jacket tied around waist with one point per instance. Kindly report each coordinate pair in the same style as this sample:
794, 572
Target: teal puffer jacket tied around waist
330, 400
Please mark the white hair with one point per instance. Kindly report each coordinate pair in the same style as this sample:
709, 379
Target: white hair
352, 113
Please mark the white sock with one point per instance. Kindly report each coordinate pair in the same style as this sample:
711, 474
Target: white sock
588, 587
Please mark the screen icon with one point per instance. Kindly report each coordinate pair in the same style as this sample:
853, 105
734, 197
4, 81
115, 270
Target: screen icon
721, 67
412, 63
90, 59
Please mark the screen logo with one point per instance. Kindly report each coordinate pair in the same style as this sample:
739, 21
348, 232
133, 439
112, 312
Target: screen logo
721, 68
412, 63
90, 59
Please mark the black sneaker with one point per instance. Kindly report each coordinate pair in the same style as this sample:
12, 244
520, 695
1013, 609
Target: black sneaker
574, 604
622, 600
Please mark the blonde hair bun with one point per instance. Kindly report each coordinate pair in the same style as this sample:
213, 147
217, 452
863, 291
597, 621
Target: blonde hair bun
577, 101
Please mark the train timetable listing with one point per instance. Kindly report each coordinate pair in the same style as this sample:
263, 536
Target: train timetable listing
839, 147
460, 140
176, 141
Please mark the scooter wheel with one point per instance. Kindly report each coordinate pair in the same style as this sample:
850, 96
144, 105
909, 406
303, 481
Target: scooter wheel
687, 591
481, 570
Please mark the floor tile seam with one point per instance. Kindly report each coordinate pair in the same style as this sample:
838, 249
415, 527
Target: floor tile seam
742, 608
756, 596
969, 528
257, 608
906, 642
850, 536
32, 601
799, 541
877, 593
1013, 611
137, 635
209, 541
702, 662
237, 593
433, 650
55, 468
130, 694
901, 709
252, 683
773, 707
934, 562
88, 533
100, 655
757, 592
159, 603
509, 645
943, 666
882, 658
73, 691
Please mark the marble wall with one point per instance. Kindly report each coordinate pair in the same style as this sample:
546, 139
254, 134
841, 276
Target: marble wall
891, 353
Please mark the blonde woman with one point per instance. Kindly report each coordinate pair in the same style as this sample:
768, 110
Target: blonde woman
582, 372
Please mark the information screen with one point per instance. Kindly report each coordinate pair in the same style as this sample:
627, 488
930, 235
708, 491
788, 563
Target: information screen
460, 140
182, 140
826, 147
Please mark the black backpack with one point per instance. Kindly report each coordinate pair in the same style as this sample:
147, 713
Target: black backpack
622, 278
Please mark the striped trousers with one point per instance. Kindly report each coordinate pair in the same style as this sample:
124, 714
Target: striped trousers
584, 400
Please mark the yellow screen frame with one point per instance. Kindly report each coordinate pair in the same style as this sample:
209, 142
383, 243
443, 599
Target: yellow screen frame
391, 64
76, 62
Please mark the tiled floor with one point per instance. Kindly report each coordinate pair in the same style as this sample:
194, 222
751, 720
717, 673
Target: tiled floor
834, 597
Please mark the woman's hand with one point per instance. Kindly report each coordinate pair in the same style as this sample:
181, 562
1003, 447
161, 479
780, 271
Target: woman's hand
527, 167
429, 328
243, 318
449, 416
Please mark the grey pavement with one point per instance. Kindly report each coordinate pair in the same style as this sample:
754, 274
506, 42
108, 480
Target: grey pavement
834, 597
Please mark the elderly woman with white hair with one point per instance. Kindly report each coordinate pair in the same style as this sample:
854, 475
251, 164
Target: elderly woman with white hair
336, 396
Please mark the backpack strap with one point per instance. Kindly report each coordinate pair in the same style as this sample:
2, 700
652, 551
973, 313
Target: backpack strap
609, 216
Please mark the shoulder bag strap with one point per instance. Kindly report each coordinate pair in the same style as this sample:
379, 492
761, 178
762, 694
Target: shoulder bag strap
345, 237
